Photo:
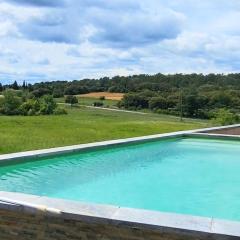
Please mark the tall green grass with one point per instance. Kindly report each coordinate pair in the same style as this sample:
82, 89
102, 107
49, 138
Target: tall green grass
82, 125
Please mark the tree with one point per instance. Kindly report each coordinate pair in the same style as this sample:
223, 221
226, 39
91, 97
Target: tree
11, 103
41, 92
192, 105
222, 100
71, 100
24, 86
158, 103
1, 87
57, 93
15, 85
134, 101
71, 90
30, 87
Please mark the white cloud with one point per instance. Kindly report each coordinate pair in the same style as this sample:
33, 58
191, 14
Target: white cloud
92, 38
7, 28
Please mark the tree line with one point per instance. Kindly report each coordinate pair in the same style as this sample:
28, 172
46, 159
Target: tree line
193, 95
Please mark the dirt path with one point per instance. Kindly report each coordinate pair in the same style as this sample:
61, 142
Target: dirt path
113, 109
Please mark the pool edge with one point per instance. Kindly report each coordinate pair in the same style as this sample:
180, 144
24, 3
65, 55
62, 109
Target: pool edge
170, 223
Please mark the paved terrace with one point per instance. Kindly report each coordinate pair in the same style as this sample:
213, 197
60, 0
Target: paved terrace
231, 131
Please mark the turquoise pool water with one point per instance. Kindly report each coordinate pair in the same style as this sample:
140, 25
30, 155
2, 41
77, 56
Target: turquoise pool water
188, 175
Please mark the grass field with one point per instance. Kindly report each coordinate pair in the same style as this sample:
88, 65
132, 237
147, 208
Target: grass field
88, 101
82, 125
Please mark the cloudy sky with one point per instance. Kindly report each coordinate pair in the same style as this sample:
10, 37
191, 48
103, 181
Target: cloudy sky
75, 39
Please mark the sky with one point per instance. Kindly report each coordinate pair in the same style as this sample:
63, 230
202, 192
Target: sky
44, 40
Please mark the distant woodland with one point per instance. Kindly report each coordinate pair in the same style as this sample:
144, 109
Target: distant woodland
192, 95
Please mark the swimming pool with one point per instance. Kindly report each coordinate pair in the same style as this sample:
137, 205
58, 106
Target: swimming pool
192, 176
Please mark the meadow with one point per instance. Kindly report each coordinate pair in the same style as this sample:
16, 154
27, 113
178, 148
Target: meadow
107, 95
83, 125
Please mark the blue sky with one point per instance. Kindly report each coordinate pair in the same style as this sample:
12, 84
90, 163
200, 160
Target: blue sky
43, 40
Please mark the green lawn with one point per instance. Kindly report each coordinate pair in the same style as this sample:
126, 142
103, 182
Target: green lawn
82, 125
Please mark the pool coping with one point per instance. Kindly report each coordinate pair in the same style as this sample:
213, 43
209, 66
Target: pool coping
119, 216
99, 213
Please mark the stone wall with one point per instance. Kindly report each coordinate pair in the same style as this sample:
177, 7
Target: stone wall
26, 226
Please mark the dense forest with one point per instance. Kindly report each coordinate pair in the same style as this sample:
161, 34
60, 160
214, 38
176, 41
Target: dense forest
192, 95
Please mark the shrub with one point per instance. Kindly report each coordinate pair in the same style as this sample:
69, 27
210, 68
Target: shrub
102, 98
30, 107
47, 105
97, 104
60, 111
225, 117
